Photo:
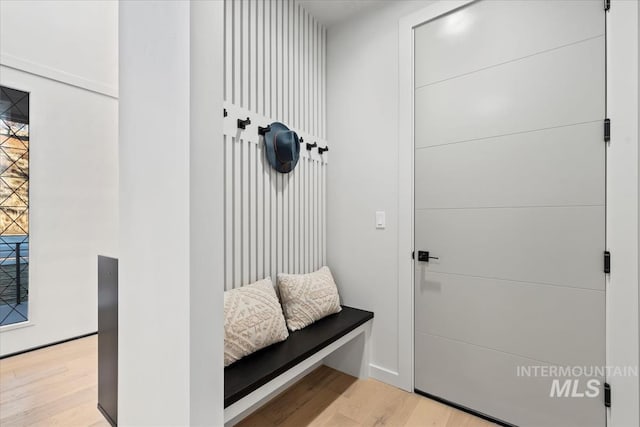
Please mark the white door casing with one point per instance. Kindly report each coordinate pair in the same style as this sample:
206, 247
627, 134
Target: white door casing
406, 153
622, 327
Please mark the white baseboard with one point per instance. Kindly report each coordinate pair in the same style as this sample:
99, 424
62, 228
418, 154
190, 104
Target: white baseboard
385, 375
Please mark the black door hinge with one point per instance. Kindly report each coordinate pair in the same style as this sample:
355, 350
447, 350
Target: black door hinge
607, 262
413, 255
607, 130
607, 5
607, 395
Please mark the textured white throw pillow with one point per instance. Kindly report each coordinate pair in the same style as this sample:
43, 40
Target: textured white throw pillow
252, 320
308, 297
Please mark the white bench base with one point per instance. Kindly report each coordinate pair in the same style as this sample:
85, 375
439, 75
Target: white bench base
349, 354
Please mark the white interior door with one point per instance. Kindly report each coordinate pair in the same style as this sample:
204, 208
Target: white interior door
510, 197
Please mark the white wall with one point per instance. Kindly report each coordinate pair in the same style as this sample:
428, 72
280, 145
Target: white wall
170, 298
64, 57
362, 121
68, 40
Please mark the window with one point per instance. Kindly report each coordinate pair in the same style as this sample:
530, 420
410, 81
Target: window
14, 206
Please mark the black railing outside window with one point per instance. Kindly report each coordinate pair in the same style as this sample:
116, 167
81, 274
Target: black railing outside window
14, 270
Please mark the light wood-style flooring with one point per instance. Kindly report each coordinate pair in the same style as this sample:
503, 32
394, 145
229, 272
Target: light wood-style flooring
54, 386
327, 397
57, 386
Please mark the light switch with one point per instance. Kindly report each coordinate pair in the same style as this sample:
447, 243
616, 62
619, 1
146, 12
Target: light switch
380, 219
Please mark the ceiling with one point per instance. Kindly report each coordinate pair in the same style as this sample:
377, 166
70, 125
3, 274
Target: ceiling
331, 12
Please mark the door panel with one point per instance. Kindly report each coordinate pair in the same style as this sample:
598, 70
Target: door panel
463, 37
471, 375
510, 196
488, 311
485, 173
546, 245
551, 89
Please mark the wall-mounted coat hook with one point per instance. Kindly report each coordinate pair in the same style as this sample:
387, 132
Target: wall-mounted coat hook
310, 146
323, 150
301, 140
262, 131
242, 124
225, 113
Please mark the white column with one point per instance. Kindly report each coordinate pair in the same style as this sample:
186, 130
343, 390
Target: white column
170, 120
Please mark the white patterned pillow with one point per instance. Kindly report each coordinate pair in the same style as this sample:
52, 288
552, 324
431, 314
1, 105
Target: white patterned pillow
308, 297
252, 320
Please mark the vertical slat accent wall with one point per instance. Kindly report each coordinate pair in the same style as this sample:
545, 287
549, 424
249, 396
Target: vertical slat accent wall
274, 70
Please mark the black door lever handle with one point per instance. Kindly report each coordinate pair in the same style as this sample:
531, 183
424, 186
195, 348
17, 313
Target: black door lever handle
424, 256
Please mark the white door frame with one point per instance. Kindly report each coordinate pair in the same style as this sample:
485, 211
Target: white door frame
622, 320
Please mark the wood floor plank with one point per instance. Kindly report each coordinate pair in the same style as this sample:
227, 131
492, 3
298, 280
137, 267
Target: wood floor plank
429, 413
341, 420
43, 357
57, 386
330, 398
54, 386
461, 419
13, 404
81, 415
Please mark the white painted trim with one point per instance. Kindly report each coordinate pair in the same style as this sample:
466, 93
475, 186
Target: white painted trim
57, 75
383, 374
19, 325
242, 408
405, 376
623, 327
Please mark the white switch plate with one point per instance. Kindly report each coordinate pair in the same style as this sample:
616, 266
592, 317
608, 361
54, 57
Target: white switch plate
381, 221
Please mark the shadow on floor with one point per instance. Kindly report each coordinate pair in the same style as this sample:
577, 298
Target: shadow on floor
303, 403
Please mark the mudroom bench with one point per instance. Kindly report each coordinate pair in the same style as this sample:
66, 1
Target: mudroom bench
340, 340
